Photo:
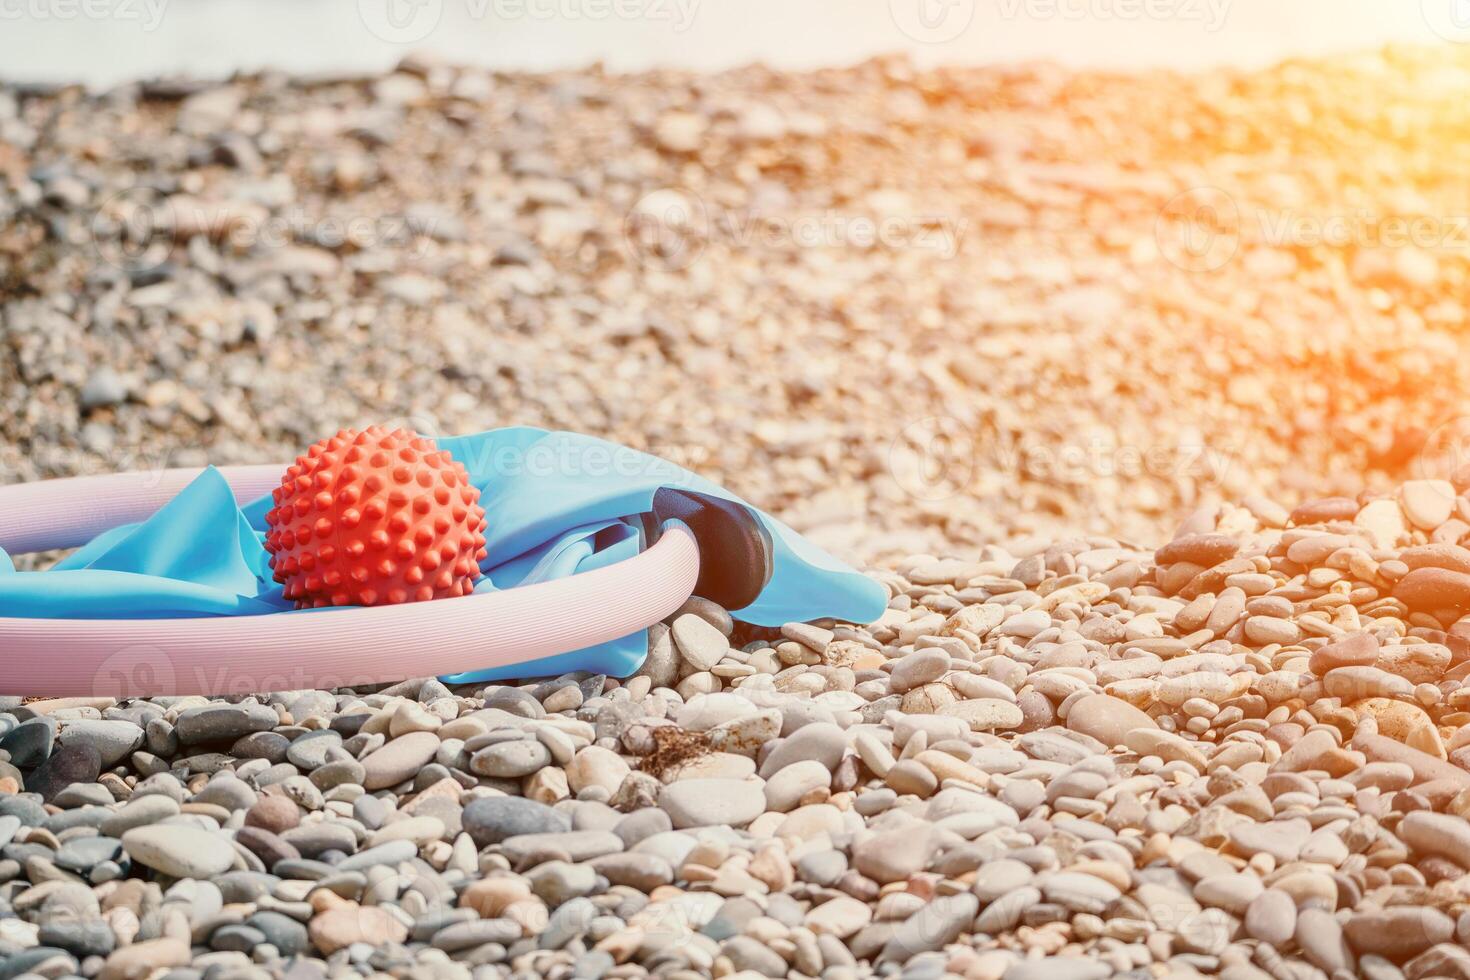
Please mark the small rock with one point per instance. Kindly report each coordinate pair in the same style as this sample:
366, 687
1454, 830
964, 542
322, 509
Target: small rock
342, 926
179, 851
399, 759
1107, 719
710, 802
700, 644
70, 764
491, 820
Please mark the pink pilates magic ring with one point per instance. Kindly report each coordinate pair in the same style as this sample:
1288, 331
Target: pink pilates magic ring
320, 649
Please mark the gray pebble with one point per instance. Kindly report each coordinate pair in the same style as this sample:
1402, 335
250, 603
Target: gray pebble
213, 723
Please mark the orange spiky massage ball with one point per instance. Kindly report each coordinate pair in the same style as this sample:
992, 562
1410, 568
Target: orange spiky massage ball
375, 517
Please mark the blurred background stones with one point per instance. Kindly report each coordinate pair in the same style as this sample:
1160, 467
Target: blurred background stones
908, 310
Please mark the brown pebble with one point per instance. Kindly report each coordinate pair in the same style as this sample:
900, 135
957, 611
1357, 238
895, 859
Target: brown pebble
1450, 556
1380, 748
273, 813
1037, 712
1357, 650
1319, 750
1198, 549
845, 776
1277, 783
1398, 933
1325, 509
1436, 869
265, 845
1429, 589
1285, 734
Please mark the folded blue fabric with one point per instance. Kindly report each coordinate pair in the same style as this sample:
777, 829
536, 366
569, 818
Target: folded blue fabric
558, 503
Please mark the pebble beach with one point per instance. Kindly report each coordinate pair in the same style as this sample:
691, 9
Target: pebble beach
1129, 389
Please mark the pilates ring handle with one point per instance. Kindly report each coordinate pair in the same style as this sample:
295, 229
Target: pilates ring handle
350, 646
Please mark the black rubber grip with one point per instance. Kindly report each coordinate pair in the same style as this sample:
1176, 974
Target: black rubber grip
734, 549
